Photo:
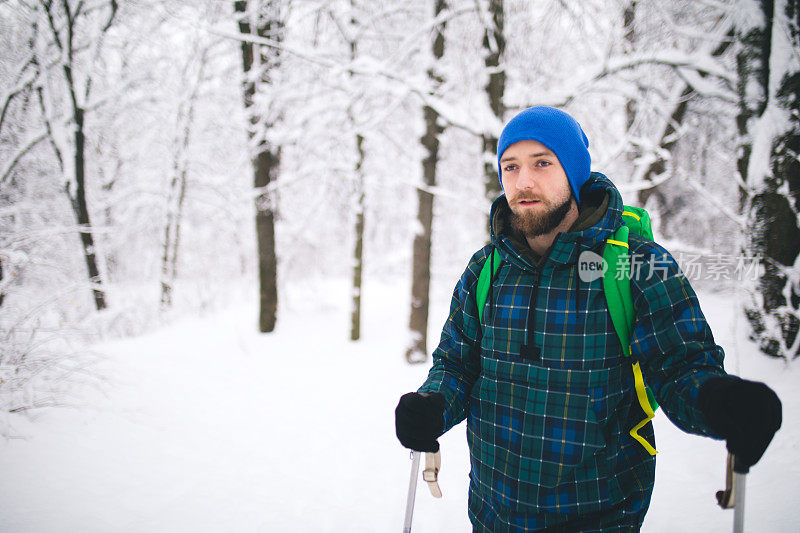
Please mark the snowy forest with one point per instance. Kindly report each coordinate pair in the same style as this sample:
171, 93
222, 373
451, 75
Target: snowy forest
158, 157
160, 160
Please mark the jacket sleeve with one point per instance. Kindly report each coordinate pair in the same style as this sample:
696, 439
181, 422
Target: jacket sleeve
671, 339
456, 360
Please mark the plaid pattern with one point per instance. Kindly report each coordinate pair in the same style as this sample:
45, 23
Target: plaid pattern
486, 518
548, 428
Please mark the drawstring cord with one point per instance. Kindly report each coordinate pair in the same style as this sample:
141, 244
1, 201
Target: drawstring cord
491, 281
577, 278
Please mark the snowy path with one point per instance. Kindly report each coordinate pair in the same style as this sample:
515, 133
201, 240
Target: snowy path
207, 426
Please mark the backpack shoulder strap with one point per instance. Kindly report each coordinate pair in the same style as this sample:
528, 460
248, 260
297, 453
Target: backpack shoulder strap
488, 271
617, 288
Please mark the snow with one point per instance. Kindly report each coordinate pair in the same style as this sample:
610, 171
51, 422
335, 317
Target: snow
206, 425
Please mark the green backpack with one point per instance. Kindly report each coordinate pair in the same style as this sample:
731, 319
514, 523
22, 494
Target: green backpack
617, 288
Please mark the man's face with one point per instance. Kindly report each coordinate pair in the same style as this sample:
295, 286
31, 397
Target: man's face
536, 188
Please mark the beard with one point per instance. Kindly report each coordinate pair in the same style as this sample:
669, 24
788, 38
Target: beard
532, 224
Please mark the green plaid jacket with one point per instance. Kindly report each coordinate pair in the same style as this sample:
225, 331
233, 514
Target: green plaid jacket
547, 395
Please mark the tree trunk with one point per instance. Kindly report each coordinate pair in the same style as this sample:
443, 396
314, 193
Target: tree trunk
630, 37
266, 157
266, 170
177, 189
629, 33
752, 66
172, 230
358, 250
417, 351
769, 91
360, 196
78, 199
82, 212
494, 44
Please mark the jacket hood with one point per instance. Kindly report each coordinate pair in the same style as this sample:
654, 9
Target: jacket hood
599, 217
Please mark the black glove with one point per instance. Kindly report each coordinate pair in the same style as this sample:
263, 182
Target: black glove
418, 420
746, 413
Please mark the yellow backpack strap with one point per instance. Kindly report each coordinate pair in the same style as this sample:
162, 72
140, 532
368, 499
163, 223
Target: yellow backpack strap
641, 394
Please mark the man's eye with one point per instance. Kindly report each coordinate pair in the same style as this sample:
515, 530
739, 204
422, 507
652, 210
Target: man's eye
544, 163
509, 168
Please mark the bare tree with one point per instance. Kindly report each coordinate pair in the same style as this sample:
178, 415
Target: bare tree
180, 169
421, 268
769, 126
494, 45
15, 101
351, 36
263, 19
358, 248
69, 21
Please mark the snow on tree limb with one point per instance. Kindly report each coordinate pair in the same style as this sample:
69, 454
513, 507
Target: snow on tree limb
14, 161
713, 199
371, 67
25, 81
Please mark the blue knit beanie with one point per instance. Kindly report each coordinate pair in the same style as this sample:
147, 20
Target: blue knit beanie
557, 131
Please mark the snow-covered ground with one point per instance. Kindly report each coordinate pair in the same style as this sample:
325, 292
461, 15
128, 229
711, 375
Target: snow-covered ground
206, 425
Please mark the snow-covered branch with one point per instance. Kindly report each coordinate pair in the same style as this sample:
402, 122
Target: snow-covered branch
410, 45
700, 62
5, 174
25, 79
643, 185
369, 67
713, 199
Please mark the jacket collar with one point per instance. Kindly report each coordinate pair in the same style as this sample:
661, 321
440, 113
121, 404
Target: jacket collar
599, 218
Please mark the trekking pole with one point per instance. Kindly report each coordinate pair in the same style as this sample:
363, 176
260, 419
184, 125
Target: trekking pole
412, 490
740, 477
733, 495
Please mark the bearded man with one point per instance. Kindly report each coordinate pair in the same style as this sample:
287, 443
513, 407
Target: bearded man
539, 372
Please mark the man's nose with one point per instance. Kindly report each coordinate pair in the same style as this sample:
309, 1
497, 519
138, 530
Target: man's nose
526, 178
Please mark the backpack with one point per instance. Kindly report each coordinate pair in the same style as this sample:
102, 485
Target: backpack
617, 288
